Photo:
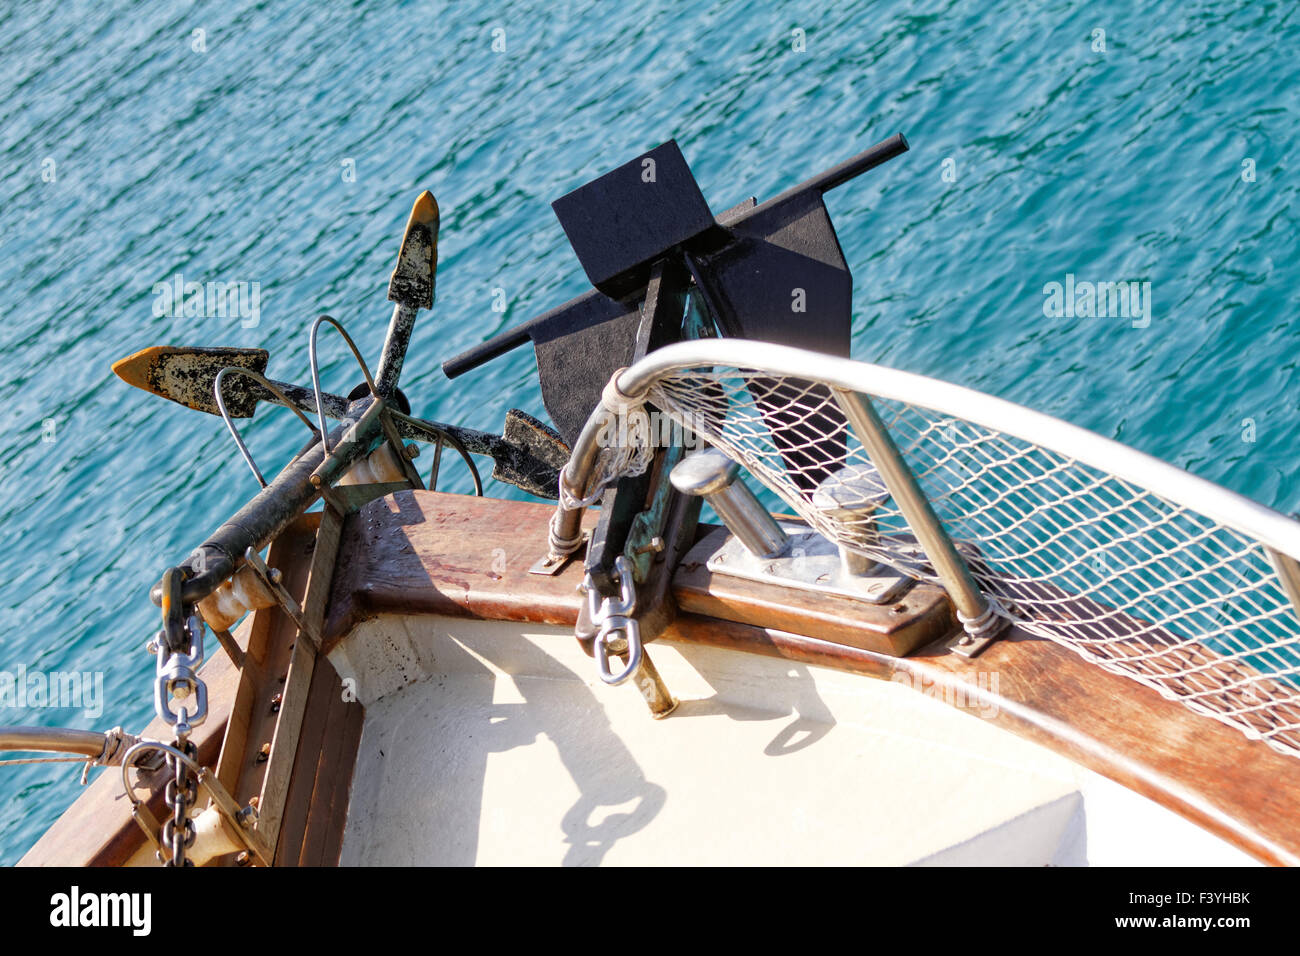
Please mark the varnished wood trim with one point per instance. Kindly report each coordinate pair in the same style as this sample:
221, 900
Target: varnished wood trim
266, 668
302, 667
302, 781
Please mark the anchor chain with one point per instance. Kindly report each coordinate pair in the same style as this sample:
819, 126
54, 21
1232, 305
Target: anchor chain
181, 794
180, 700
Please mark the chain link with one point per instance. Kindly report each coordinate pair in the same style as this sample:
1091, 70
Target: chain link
179, 646
617, 632
181, 793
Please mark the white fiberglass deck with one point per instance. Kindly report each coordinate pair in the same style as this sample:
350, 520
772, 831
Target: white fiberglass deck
485, 745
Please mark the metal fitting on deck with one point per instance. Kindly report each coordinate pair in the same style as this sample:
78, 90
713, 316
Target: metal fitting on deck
851, 496
710, 474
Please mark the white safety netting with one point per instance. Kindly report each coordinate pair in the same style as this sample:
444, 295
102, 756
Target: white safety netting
1135, 583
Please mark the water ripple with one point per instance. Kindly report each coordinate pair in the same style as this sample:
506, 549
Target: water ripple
233, 164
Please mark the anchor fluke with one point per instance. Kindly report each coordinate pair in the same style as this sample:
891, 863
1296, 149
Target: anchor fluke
184, 374
411, 283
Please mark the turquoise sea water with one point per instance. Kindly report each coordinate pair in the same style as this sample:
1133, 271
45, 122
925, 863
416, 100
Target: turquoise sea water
133, 149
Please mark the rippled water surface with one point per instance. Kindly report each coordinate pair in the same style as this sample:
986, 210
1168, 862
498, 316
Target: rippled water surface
133, 149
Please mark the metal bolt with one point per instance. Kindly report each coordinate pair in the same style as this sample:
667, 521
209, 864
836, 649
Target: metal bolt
412, 451
655, 546
264, 754
243, 859
275, 703
276, 575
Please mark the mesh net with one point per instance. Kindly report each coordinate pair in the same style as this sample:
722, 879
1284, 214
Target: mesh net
1133, 582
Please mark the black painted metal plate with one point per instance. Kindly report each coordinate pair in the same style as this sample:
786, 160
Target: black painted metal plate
621, 222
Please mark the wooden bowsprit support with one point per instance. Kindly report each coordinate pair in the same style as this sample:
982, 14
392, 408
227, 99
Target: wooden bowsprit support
298, 680
292, 734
